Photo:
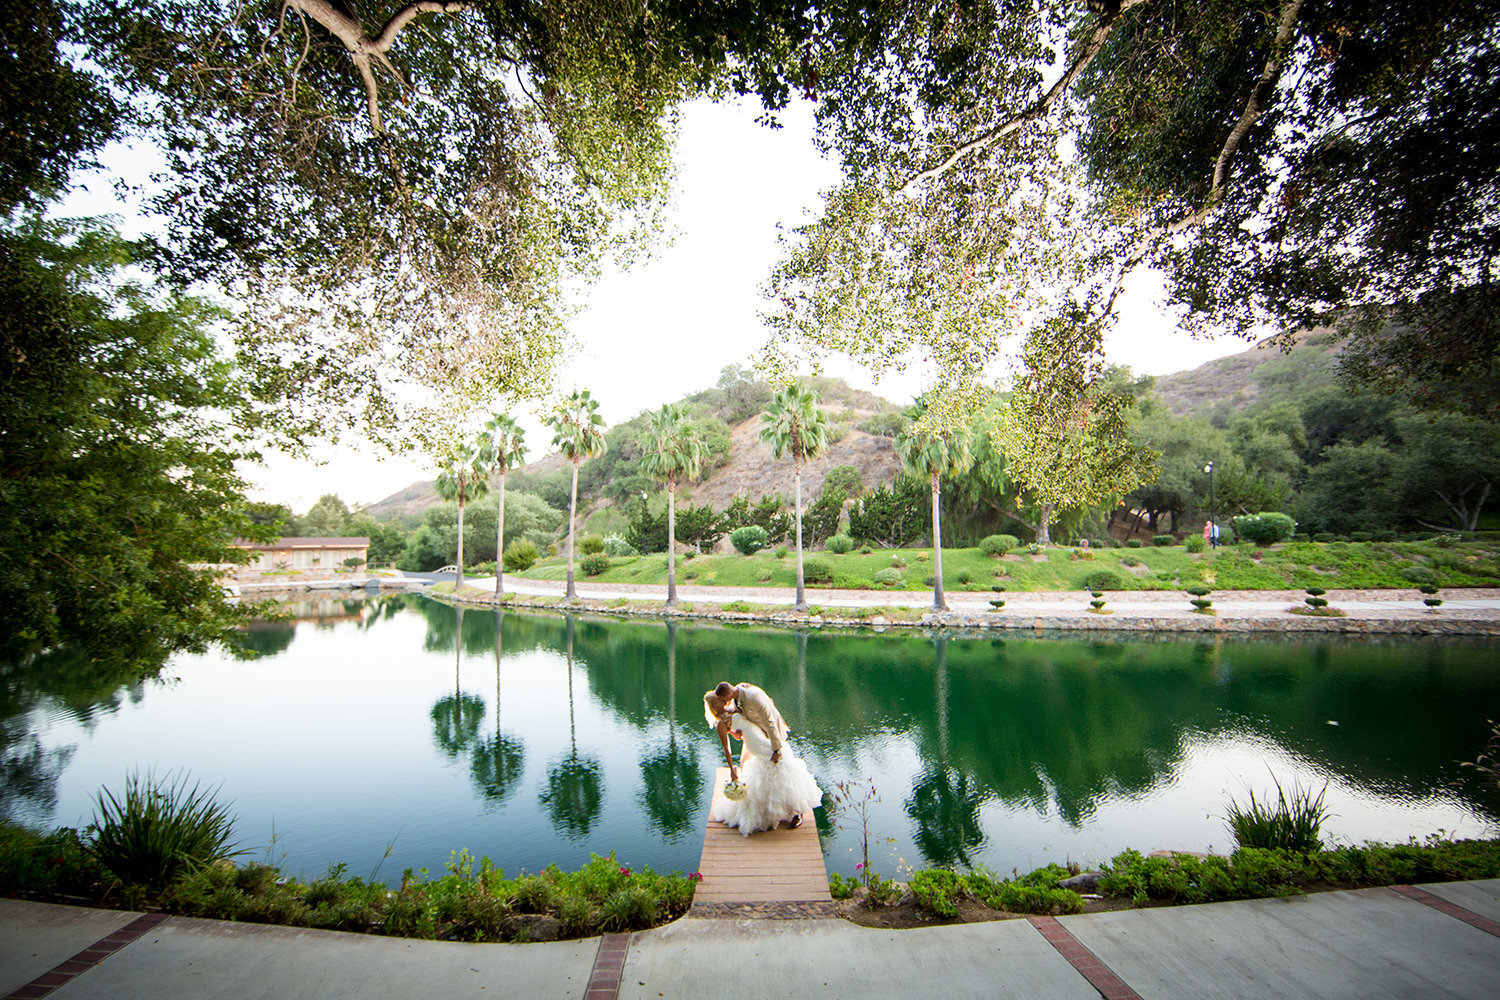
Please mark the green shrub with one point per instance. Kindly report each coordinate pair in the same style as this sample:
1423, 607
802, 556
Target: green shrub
1133, 543
749, 539
998, 545
1292, 823
1162, 540
618, 547
816, 571
781, 551
520, 555
839, 544
1103, 578
965, 577
888, 577
1265, 528
1361, 536
1384, 535
1419, 574
1325, 536
159, 830
590, 544
1195, 543
850, 581
594, 563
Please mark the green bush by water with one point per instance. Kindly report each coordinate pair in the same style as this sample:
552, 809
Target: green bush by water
159, 830
1292, 823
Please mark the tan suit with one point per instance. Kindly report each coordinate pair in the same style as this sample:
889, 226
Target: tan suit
757, 706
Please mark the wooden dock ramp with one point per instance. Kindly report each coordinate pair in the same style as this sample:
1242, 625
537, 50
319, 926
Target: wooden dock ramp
780, 866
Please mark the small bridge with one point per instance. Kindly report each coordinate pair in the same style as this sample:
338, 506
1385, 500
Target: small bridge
777, 872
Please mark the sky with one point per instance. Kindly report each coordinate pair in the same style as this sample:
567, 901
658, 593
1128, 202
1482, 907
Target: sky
696, 305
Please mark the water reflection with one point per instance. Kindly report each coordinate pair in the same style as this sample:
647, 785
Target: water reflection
990, 750
574, 784
672, 779
499, 762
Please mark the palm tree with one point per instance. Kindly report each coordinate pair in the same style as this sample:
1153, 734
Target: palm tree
926, 448
462, 478
578, 432
503, 447
671, 451
793, 422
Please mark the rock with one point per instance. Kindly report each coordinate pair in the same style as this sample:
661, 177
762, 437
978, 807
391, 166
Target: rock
1083, 882
534, 927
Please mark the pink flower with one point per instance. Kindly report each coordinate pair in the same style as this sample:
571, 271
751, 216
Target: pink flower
859, 866
696, 876
624, 871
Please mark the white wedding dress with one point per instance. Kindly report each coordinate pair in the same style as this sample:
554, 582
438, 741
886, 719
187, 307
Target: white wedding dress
773, 791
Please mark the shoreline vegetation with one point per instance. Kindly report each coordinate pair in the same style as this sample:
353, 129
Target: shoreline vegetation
474, 901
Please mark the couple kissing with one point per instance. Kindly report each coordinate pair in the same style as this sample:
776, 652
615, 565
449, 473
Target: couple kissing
777, 785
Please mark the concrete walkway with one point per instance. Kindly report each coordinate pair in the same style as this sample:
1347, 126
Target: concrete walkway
1433, 941
1470, 611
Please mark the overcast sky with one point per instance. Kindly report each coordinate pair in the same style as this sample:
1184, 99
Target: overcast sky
668, 328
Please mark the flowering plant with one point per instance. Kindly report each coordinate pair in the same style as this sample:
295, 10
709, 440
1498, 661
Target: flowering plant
734, 791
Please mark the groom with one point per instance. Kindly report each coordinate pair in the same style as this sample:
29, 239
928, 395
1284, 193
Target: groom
757, 706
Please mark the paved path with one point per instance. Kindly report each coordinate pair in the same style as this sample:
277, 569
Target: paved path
1433, 941
1480, 607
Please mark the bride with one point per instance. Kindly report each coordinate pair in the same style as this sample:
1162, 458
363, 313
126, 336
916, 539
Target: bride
778, 785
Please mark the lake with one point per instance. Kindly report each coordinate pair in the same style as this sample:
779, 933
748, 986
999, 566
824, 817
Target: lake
387, 733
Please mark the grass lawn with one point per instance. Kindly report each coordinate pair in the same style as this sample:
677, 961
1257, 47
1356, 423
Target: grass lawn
1293, 566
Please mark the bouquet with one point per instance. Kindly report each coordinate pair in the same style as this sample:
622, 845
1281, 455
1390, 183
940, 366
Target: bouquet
734, 790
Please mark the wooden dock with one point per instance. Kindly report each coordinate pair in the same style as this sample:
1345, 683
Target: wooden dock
775, 866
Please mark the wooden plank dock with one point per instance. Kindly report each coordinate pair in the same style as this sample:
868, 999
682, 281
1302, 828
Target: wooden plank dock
775, 866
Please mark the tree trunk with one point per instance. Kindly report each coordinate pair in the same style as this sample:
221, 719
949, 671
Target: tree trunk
460, 563
671, 541
500, 541
801, 604
939, 601
572, 593
1044, 524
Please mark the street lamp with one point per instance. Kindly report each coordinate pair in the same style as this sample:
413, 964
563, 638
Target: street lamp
1213, 528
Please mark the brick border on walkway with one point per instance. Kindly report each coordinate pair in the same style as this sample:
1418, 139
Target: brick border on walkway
609, 966
85, 960
1100, 976
1450, 908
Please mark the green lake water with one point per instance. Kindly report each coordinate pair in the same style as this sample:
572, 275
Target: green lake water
388, 733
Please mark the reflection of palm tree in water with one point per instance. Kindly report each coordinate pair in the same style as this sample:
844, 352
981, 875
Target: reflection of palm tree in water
573, 796
455, 718
944, 802
671, 777
496, 764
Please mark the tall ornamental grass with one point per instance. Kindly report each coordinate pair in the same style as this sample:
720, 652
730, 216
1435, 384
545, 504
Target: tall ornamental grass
1292, 823
159, 830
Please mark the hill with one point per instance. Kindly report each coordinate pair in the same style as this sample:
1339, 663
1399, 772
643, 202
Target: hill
1238, 380
749, 471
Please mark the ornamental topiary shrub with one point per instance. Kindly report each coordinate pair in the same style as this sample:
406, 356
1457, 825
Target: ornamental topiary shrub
520, 555
594, 563
888, 577
749, 539
1132, 543
1266, 528
1162, 540
590, 544
998, 545
839, 544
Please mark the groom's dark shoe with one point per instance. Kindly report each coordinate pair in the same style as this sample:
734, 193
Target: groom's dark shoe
796, 821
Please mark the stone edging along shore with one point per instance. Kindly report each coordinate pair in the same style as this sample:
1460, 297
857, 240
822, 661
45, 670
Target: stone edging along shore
1269, 616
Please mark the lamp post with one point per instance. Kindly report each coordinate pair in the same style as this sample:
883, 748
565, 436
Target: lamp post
1213, 528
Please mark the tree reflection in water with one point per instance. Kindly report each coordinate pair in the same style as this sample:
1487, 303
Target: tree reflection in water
496, 764
456, 718
574, 792
945, 803
672, 778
